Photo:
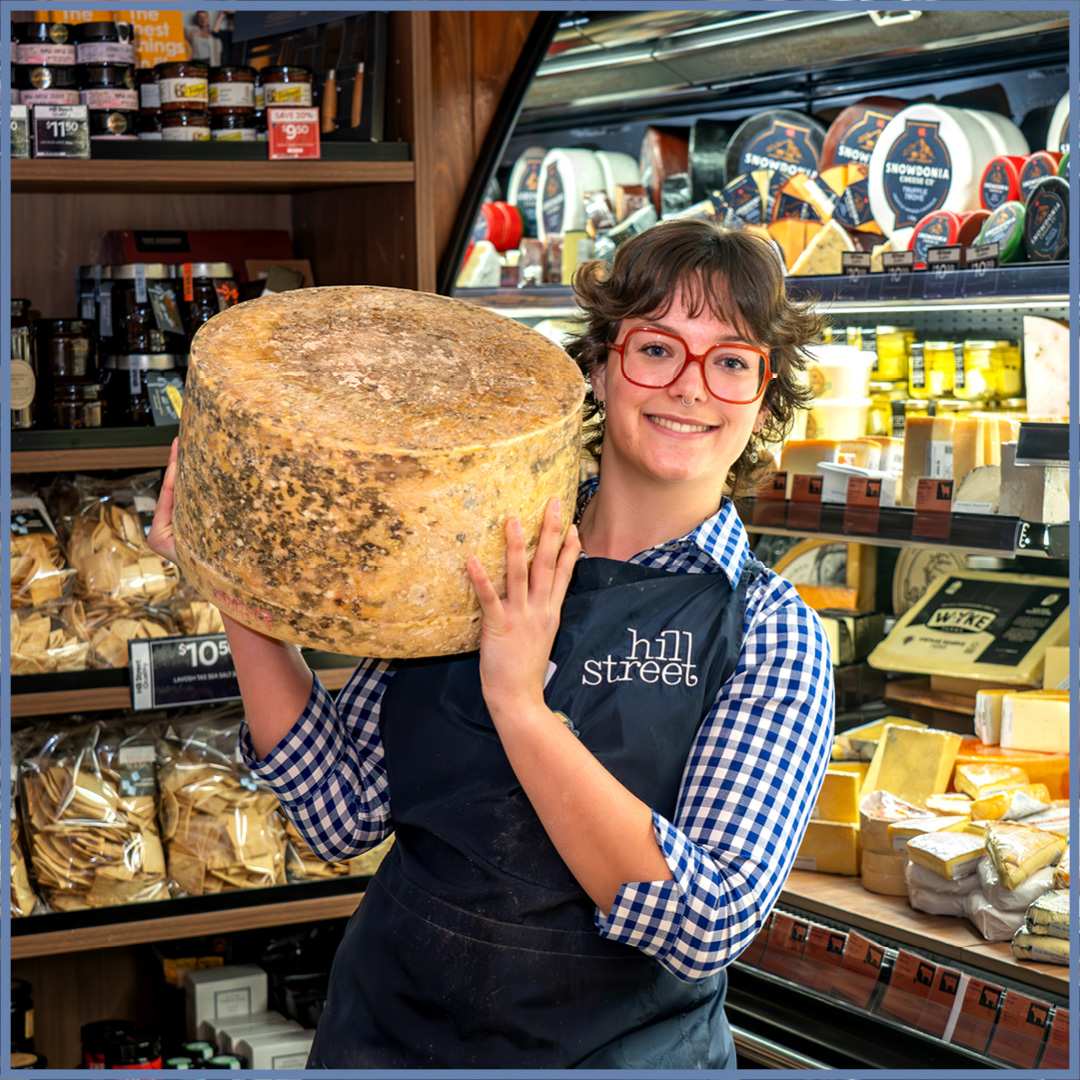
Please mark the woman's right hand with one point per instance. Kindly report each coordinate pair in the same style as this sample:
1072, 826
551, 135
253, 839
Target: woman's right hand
160, 538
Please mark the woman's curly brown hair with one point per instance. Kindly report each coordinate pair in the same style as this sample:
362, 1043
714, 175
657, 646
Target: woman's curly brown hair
733, 273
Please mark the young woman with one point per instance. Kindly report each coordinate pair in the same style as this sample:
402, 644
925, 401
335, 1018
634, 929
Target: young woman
595, 813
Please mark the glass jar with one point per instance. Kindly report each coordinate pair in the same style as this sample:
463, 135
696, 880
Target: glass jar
1009, 371
932, 364
892, 350
232, 88
144, 310
185, 126
150, 126
146, 84
184, 85
24, 370
107, 86
105, 42
287, 85
205, 289
123, 379
233, 125
114, 124
43, 43
45, 77
66, 349
77, 405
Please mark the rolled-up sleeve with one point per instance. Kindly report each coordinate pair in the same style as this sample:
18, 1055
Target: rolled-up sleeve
328, 770
749, 786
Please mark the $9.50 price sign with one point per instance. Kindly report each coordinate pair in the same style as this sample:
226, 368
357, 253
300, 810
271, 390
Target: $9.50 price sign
292, 133
181, 671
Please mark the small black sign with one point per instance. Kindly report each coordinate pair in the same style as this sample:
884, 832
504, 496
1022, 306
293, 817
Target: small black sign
61, 131
165, 389
983, 257
945, 256
195, 670
855, 262
898, 262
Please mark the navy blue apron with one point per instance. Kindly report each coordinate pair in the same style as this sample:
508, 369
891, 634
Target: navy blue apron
474, 947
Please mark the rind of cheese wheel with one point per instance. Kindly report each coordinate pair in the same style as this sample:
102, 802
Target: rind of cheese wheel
877, 811
344, 449
822, 255
1019, 850
978, 781
883, 873
827, 596
1049, 769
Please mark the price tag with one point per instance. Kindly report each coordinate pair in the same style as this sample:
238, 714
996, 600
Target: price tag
61, 131
945, 257
166, 393
855, 263
806, 488
983, 257
804, 510
898, 267
776, 489
933, 509
822, 957
909, 986
859, 970
292, 133
978, 1014
1018, 1037
861, 505
940, 1002
787, 940
941, 266
1056, 1054
194, 670
770, 502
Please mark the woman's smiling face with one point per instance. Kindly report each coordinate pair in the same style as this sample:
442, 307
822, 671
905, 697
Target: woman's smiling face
651, 432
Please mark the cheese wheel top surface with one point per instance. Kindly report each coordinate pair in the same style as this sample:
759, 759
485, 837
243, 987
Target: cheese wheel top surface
379, 368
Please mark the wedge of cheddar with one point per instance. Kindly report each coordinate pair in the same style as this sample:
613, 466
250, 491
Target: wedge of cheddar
877, 811
952, 804
1036, 720
800, 457
859, 768
1049, 914
830, 847
913, 763
1012, 804
1019, 850
859, 743
978, 781
1049, 769
950, 855
838, 799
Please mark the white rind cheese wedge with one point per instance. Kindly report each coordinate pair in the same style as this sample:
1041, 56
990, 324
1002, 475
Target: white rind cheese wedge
343, 450
900, 832
950, 855
1041, 948
979, 781
1049, 914
1019, 850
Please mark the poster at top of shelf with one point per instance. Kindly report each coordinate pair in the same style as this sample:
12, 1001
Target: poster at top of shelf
159, 35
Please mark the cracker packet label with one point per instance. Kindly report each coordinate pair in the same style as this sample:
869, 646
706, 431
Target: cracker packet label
135, 764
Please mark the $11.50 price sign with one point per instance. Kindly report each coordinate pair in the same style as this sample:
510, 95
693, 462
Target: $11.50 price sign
181, 671
292, 133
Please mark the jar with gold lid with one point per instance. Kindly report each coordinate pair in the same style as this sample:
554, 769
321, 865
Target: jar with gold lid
287, 84
892, 348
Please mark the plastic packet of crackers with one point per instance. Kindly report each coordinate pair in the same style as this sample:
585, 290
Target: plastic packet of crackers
40, 575
24, 901
47, 639
221, 828
110, 626
89, 809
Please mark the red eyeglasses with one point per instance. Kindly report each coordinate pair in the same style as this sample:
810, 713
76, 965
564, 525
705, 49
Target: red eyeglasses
736, 373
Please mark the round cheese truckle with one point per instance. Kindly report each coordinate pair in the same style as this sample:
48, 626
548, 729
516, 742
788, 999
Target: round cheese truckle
344, 449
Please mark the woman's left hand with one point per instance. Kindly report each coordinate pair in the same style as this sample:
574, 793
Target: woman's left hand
517, 632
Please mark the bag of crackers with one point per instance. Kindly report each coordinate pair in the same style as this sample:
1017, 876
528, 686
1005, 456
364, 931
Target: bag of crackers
302, 864
47, 639
89, 810
40, 574
24, 901
220, 826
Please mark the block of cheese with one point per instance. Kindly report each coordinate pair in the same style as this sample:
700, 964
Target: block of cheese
979, 491
981, 780
1049, 914
1046, 366
859, 743
1041, 948
859, 768
1036, 720
877, 811
917, 433
883, 873
801, 456
838, 799
830, 847
822, 255
1049, 769
1011, 805
951, 804
968, 450
950, 855
1062, 876
988, 715
852, 634
1019, 850
1056, 668
900, 832
981, 625
1032, 492
913, 763
344, 449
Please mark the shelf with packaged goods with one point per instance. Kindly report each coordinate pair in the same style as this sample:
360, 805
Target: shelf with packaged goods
164, 920
895, 526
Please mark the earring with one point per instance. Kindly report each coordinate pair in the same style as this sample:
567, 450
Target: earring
753, 455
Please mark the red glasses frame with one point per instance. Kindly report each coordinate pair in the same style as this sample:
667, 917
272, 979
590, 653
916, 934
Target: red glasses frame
693, 358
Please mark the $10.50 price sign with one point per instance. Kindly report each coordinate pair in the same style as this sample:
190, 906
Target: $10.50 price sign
292, 133
181, 671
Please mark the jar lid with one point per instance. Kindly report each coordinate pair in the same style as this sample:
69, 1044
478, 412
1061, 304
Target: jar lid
178, 1063
142, 361
286, 69
130, 271
132, 1047
25, 1059
976, 343
232, 69
205, 270
939, 344
104, 31
84, 390
894, 329
202, 1049
52, 33
225, 1061
55, 325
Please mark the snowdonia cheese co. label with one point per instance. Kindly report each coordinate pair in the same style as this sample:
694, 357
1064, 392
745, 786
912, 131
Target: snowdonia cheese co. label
553, 205
999, 183
788, 148
525, 194
745, 196
918, 172
853, 206
979, 624
857, 142
1046, 225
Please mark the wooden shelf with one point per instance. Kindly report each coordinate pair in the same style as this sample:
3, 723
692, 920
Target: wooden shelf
99, 698
193, 924
112, 177
844, 900
127, 457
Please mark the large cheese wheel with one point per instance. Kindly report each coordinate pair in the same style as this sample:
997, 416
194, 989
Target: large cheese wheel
343, 450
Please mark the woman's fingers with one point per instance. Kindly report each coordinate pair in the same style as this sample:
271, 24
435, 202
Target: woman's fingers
564, 567
160, 537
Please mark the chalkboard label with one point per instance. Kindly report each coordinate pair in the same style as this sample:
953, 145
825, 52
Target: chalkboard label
194, 670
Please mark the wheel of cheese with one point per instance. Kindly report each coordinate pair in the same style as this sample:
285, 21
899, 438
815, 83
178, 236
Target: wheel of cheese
938, 228
566, 174
665, 151
1036, 166
850, 139
780, 139
707, 156
344, 449
1005, 136
619, 170
1000, 181
1057, 133
929, 157
1046, 220
1005, 227
524, 185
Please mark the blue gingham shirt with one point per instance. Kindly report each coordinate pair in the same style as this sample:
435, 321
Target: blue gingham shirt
749, 785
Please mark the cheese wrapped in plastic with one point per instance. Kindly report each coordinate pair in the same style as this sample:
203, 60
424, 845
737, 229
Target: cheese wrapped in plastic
1041, 948
995, 924
1018, 899
1019, 850
1049, 914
